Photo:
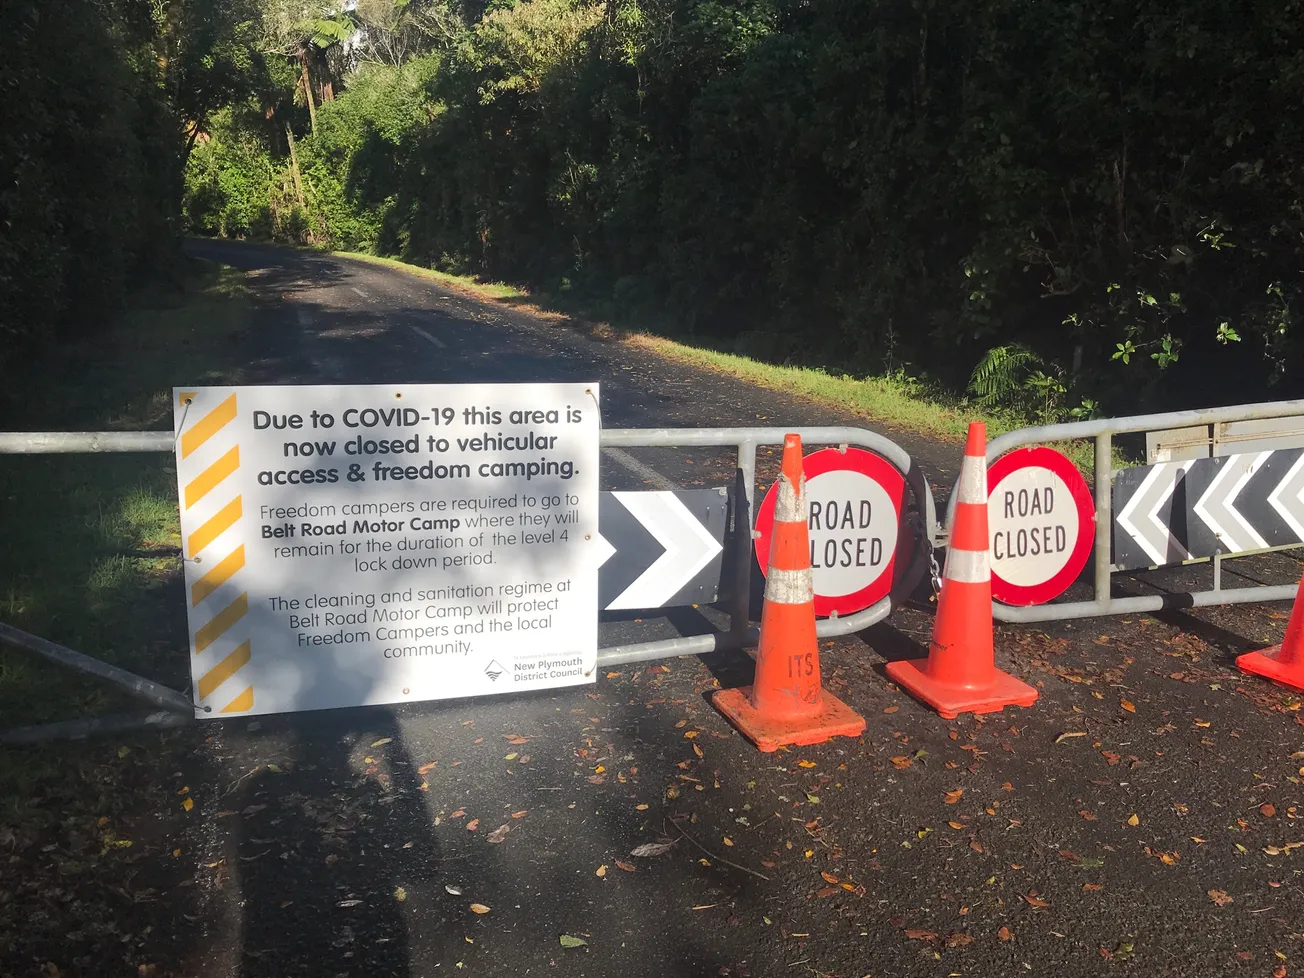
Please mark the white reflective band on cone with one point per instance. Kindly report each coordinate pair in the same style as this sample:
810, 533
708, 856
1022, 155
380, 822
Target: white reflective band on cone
790, 507
789, 586
967, 566
972, 487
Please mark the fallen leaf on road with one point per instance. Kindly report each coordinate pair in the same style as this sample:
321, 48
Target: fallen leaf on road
728, 841
1005, 934
472, 825
1087, 815
1068, 734
1034, 900
516, 740
568, 941
649, 849
1220, 897
188, 803
400, 894
1167, 858
698, 751
806, 764
458, 814
1127, 705
915, 934
1133, 820
642, 807
452, 890
953, 797
958, 939
627, 867
690, 734
901, 762
479, 908
601, 870
1268, 810
426, 768
890, 709
826, 892
521, 814
830, 878
955, 825
382, 742
498, 834
1093, 887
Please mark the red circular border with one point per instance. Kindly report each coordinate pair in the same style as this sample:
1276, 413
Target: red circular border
833, 460
1047, 458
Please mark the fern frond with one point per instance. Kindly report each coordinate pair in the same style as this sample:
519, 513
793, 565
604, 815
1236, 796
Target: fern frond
998, 373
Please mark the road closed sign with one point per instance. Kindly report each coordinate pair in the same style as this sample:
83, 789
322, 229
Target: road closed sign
1042, 524
854, 501
347, 546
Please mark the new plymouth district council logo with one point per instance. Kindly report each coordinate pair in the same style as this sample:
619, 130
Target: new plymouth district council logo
494, 669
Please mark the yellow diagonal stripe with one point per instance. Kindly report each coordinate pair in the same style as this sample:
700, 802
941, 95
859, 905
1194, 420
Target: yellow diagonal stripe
221, 621
242, 703
219, 575
215, 527
201, 484
207, 426
223, 671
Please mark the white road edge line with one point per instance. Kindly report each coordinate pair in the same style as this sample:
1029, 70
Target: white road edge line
646, 472
433, 339
359, 292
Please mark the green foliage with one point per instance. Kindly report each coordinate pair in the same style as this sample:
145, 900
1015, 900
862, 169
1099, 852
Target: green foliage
103, 100
1109, 188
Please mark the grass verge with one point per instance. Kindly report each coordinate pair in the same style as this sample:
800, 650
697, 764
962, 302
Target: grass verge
90, 554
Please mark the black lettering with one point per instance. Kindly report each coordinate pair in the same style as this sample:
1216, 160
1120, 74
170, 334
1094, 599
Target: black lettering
998, 536
815, 510
1009, 505
875, 552
866, 513
1061, 539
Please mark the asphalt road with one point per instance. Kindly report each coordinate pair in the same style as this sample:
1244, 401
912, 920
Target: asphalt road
362, 842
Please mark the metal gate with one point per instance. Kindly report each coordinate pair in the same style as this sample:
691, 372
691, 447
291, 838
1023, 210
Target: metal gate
1102, 433
174, 708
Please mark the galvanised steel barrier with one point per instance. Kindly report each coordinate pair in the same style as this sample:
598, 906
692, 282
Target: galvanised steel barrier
175, 708
1102, 432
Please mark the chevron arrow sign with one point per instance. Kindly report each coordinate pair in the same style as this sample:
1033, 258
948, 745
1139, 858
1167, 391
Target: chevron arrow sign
661, 549
1178, 511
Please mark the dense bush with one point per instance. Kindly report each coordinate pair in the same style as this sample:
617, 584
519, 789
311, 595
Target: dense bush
102, 101
1108, 188
89, 159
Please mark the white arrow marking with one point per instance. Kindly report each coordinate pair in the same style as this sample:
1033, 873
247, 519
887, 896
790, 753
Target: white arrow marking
688, 548
1254, 465
1137, 533
1283, 506
1228, 525
605, 550
1179, 474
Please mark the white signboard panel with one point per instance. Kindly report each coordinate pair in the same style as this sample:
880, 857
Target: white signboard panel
374, 544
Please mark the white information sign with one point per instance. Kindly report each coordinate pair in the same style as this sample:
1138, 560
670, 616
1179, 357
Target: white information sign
374, 544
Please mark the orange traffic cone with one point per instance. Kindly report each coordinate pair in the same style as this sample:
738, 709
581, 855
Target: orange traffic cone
785, 703
960, 674
1284, 663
